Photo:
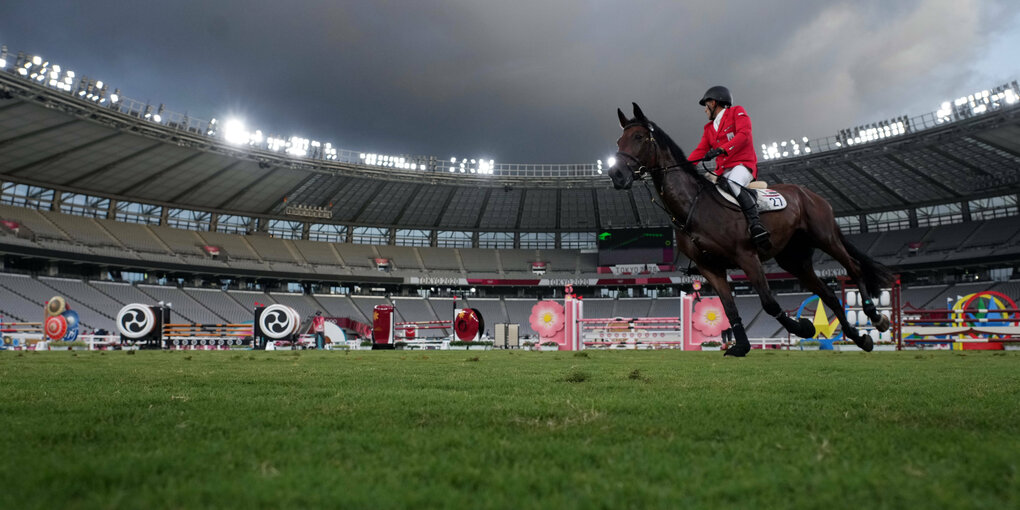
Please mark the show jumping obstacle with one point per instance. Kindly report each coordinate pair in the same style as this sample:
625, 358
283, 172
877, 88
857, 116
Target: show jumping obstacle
986, 320
149, 327
467, 325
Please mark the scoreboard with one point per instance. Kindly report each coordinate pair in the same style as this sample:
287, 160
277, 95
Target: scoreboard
635, 246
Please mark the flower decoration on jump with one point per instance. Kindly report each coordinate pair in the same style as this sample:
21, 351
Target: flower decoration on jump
709, 318
547, 320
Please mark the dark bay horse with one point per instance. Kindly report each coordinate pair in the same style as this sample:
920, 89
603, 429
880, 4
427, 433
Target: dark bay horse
713, 233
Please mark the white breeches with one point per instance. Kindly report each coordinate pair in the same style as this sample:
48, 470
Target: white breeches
739, 176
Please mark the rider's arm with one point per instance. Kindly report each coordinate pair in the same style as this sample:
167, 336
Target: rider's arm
701, 149
742, 131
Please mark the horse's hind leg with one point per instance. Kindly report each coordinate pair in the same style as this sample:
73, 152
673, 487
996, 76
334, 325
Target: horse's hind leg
799, 265
832, 244
717, 279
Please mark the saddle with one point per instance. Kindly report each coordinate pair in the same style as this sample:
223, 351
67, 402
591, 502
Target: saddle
768, 199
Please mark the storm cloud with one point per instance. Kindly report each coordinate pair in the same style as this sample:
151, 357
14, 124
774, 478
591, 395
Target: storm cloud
524, 81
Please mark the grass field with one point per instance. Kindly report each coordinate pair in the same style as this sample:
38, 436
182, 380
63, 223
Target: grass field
503, 429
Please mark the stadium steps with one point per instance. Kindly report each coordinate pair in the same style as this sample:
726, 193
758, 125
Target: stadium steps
506, 312
251, 306
294, 252
58, 228
499, 269
117, 242
176, 310
159, 240
259, 257
28, 301
421, 261
336, 254
435, 314
107, 294
20, 313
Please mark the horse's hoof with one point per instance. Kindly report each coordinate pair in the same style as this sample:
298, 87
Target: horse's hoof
883, 323
805, 329
738, 351
864, 342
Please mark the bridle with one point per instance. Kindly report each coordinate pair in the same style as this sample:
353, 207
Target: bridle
634, 164
630, 161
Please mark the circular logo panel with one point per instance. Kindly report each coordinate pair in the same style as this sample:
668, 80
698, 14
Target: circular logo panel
467, 324
277, 321
71, 317
55, 306
135, 321
56, 327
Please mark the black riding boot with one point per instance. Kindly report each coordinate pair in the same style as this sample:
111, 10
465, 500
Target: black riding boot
759, 234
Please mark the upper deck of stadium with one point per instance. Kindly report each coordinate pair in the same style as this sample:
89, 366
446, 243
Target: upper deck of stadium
75, 140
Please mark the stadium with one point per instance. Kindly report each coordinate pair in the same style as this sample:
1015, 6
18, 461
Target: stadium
109, 202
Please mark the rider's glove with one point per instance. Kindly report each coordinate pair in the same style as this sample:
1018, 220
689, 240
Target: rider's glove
713, 153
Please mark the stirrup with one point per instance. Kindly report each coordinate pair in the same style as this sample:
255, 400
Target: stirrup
762, 239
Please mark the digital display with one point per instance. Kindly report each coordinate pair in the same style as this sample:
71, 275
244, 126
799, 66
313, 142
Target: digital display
635, 246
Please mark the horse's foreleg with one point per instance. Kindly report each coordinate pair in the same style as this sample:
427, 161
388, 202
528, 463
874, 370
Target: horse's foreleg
756, 275
717, 279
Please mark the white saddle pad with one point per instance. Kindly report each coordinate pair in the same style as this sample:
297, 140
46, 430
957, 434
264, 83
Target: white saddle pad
768, 199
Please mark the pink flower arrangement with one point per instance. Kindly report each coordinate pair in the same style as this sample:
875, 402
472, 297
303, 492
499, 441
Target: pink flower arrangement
709, 317
547, 319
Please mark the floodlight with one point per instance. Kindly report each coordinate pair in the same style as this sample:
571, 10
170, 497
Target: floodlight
611, 161
453, 160
234, 132
36, 60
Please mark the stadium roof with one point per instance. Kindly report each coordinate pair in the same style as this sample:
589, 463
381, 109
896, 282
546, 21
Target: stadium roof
56, 140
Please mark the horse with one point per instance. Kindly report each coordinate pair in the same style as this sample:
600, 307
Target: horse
713, 234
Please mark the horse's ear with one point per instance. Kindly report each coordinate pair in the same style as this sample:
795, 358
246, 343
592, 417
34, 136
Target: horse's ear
623, 118
638, 114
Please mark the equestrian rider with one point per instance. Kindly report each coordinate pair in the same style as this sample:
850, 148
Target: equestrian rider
727, 139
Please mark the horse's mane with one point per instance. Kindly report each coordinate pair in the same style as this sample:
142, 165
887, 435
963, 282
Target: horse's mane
663, 139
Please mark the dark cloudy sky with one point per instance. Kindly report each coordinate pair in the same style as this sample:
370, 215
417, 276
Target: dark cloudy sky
524, 81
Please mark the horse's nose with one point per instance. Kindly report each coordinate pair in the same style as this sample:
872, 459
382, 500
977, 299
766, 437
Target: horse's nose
620, 180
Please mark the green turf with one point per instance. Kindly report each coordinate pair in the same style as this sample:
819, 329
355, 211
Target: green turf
505, 429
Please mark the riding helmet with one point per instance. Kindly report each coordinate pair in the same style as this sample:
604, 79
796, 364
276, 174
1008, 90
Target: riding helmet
720, 94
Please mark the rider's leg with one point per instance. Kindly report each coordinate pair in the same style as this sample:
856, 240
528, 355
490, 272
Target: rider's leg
738, 178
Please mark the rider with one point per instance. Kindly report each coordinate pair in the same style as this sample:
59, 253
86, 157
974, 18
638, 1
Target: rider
728, 137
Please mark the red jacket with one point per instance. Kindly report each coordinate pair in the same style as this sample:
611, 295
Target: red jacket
734, 137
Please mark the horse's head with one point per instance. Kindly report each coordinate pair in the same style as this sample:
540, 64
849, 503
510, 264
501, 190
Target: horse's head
636, 151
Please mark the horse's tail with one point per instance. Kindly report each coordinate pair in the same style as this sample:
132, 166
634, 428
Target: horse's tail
874, 274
